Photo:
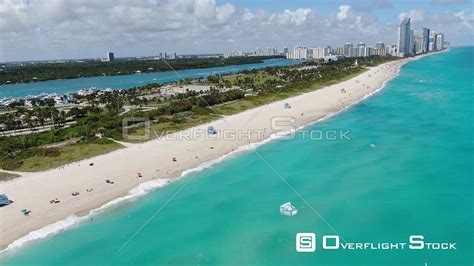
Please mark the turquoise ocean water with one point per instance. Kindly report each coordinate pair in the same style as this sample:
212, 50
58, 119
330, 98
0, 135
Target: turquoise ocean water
127, 81
417, 180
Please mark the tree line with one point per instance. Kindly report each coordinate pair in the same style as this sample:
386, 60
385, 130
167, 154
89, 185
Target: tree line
69, 70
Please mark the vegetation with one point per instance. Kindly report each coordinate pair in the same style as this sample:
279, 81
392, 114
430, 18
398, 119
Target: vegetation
91, 125
42, 72
53, 157
7, 176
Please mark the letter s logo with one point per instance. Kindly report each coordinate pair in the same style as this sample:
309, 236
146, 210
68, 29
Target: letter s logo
305, 242
416, 242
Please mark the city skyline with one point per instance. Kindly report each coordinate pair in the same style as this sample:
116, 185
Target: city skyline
34, 30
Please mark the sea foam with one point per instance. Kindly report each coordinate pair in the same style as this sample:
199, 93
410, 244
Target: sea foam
73, 220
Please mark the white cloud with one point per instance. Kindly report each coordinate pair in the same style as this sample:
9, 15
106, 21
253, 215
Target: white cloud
414, 15
46, 29
296, 17
343, 12
466, 18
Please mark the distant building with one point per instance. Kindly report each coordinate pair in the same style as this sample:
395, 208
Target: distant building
412, 50
234, 54
353, 52
393, 50
361, 44
379, 51
347, 48
339, 50
269, 51
328, 50
426, 40
439, 41
419, 44
171, 55
404, 38
285, 50
110, 56
380, 45
300, 52
433, 41
319, 53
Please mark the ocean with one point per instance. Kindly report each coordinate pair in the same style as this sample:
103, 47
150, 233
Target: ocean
406, 169
63, 86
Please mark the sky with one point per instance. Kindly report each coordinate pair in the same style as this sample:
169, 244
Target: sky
69, 29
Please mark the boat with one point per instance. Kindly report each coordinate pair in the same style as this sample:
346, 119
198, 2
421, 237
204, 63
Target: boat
288, 209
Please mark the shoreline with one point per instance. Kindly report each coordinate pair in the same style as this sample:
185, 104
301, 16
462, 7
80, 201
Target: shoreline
46, 219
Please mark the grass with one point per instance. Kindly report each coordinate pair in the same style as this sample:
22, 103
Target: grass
7, 176
255, 101
164, 128
69, 154
258, 77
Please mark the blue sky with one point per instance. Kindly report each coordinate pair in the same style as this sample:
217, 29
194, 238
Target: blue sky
55, 29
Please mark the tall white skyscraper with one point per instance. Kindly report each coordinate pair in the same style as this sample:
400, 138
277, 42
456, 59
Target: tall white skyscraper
439, 41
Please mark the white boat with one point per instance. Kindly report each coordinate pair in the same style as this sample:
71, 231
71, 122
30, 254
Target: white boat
288, 209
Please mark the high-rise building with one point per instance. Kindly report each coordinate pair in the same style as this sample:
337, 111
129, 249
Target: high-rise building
394, 50
347, 48
380, 51
433, 41
361, 44
285, 50
404, 38
369, 51
439, 41
339, 50
110, 56
419, 44
300, 52
319, 53
426, 40
353, 52
171, 55
270, 51
328, 50
380, 45
412, 43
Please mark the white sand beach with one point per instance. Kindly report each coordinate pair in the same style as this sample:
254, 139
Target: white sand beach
153, 159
